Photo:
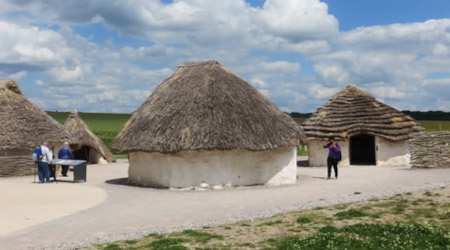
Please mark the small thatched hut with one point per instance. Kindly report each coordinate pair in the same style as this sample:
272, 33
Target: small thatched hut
23, 127
204, 124
370, 132
89, 147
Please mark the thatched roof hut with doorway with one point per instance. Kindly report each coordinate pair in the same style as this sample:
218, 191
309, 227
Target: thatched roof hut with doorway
89, 147
369, 131
23, 127
204, 124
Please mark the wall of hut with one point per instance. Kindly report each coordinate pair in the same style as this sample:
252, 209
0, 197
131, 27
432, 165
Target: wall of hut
389, 153
318, 155
14, 162
216, 167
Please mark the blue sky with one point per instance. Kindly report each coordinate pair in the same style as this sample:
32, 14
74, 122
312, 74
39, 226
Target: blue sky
108, 56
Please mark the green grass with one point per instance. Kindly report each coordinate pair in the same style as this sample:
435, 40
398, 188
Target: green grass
112, 247
371, 236
435, 125
105, 126
168, 243
202, 237
350, 214
304, 220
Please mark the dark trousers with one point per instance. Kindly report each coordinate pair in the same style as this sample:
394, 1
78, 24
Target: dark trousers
43, 171
332, 162
64, 169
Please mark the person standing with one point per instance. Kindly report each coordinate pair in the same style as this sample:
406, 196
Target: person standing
43, 169
65, 153
334, 156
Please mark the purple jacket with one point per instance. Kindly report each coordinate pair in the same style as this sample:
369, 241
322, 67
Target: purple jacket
332, 153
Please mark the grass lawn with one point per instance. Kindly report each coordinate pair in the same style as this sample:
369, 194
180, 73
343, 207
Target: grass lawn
404, 221
105, 126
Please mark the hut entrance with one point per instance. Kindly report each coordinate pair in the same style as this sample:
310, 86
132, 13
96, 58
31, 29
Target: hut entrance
362, 150
82, 153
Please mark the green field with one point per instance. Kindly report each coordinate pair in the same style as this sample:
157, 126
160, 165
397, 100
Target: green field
107, 126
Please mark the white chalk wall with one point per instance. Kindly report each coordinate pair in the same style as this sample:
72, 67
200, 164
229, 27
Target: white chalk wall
229, 168
388, 153
318, 155
391, 153
95, 157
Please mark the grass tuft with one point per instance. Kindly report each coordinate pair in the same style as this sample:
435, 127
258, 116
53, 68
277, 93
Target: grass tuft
168, 243
202, 237
350, 214
304, 220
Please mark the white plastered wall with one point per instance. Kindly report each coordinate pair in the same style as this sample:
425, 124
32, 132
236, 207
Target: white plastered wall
218, 167
391, 153
95, 157
318, 155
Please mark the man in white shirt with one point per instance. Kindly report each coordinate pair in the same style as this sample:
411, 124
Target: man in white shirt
43, 169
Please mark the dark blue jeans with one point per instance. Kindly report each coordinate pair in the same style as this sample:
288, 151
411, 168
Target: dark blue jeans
43, 171
332, 162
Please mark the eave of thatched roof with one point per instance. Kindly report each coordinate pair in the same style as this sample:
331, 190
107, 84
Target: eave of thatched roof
24, 125
81, 132
204, 106
352, 112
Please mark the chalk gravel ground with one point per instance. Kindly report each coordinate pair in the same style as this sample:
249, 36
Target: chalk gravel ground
65, 215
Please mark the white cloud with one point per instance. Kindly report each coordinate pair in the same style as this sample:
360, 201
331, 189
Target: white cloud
321, 92
297, 21
394, 62
17, 76
388, 92
39, 83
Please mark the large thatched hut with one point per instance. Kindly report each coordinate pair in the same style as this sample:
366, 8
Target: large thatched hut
204, 124
370, 132
23, 127
89, 146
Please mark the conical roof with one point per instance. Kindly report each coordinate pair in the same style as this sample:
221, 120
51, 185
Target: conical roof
204, 106
24, 125
352, 112
81, 132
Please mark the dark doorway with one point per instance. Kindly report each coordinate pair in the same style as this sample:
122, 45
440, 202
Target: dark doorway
82, 153
362, 150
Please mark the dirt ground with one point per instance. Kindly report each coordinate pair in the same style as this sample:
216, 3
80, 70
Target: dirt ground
103, 210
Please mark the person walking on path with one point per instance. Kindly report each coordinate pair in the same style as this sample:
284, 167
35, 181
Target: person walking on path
65, 153
43, 169
334, 155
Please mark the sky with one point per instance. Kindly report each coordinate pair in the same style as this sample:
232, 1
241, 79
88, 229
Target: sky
109, 55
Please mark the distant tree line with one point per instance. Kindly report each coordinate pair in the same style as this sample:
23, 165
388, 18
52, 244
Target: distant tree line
429, 115
418, 115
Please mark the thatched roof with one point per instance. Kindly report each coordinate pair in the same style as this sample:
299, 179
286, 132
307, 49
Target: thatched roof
24, 125
76, 126
353, 111
430, 150
204, 106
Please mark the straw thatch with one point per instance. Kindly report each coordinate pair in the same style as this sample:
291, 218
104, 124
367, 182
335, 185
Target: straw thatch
24, 125
430, 150
204, 106
76, 126
352, 112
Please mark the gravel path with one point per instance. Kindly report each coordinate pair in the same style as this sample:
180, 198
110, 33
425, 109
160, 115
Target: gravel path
130, 212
